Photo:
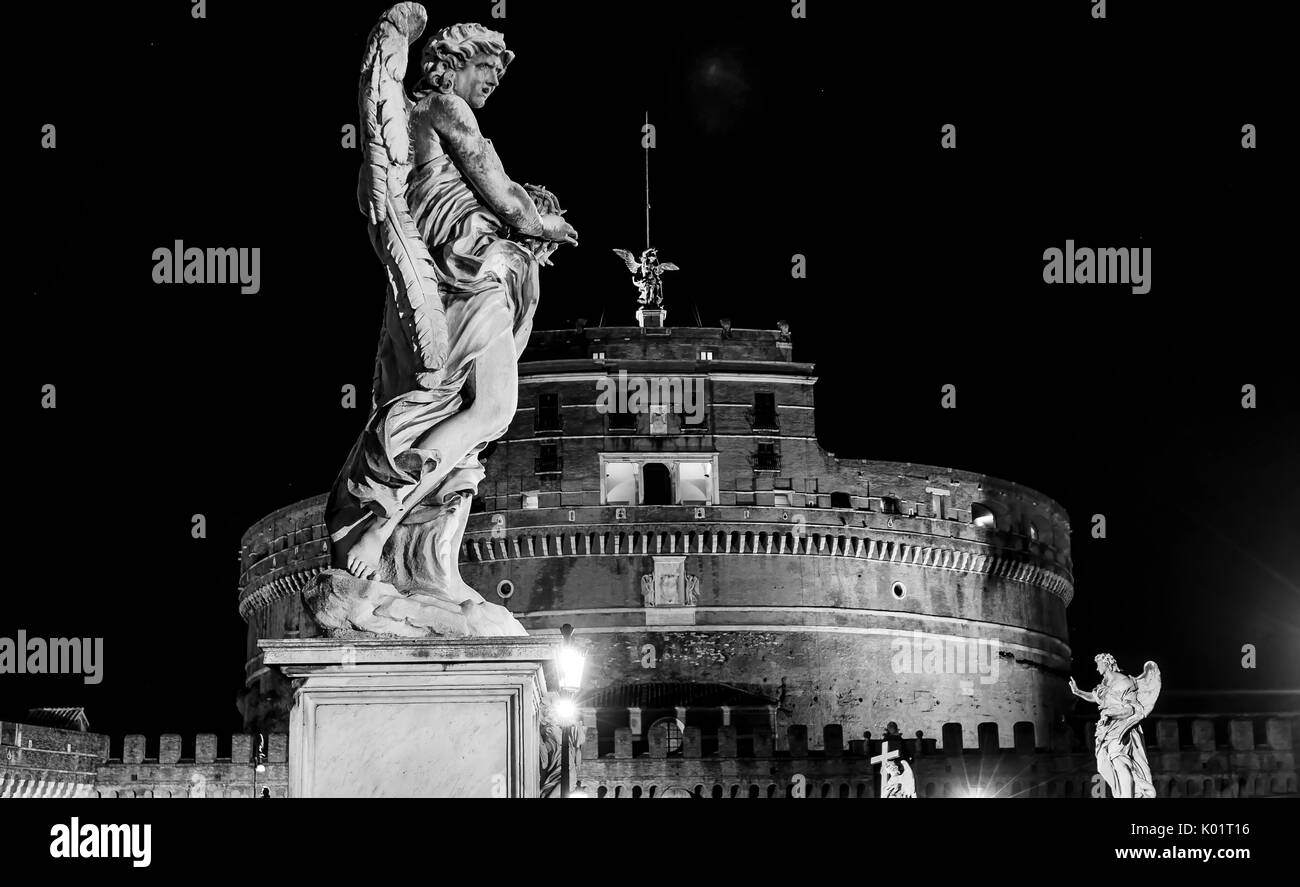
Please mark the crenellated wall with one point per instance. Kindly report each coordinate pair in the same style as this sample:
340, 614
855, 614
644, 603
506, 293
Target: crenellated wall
760, 763
203, 775
746, 758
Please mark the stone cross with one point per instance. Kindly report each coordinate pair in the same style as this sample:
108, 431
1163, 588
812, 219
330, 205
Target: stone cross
884, 757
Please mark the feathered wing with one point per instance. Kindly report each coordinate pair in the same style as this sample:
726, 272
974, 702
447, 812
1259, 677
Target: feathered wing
668, 266
909, 779
629, 260
1148, 687
385, 122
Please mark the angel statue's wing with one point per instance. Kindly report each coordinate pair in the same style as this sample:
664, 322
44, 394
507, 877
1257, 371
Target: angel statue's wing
385, 123
909, 780
668, 266
1148, 686
629, 260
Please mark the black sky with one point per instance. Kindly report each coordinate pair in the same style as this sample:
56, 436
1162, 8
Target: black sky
775, 137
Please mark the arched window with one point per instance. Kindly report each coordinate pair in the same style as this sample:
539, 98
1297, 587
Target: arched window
1023, 732
982, 516
952, 740
673, 733
658, 484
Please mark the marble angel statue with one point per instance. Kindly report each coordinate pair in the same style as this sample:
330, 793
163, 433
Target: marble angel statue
1120, 747
461, 244
898, 780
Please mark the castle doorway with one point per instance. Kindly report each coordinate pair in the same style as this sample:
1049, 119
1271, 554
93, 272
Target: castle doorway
658, 484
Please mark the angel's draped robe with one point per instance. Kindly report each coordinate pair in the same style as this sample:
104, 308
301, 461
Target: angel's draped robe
1122, 738
488, 285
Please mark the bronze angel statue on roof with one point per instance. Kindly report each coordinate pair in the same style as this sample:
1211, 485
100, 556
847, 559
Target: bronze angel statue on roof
646, 274
1120, 747
461, 244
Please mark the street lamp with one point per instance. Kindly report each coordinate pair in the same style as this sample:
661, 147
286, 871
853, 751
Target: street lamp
570, 664
259, 760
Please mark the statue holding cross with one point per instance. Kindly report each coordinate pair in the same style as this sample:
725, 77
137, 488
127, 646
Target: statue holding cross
896, 779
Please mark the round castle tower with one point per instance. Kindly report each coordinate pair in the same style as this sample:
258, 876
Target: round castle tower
663, 490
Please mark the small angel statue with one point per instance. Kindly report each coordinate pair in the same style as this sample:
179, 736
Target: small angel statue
898, 780
646, 274
1120, 747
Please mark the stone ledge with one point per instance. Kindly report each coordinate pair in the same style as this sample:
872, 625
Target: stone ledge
414, 651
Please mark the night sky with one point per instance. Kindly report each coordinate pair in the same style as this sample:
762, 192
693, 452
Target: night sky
775, 137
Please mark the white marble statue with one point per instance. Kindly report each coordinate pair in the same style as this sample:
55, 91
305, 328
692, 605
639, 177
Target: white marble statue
1119, 745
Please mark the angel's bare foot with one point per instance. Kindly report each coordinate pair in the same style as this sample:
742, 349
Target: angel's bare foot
360, 550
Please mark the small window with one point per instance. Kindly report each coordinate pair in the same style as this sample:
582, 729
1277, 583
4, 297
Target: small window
841, 500
765, 410
781, 500
548, 412
673, 727
767, 459
530, 501
598, 355
900, 590
706, 355
982, 516
890, 505
622, 421
548, 460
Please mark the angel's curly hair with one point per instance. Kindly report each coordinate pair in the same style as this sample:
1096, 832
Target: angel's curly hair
1107, 659
449, 50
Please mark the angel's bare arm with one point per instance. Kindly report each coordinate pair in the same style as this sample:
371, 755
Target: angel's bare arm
1087, 696
455, 124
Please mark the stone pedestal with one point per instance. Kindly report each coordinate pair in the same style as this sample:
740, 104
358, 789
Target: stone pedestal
428, 718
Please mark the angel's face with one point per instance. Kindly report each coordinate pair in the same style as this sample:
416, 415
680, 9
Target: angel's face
479, 78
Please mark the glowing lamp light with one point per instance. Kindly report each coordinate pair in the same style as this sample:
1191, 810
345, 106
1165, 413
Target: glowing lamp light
565, 709
570, 662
